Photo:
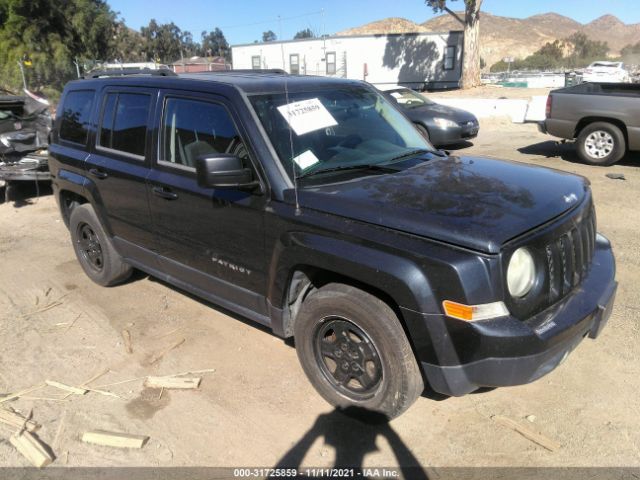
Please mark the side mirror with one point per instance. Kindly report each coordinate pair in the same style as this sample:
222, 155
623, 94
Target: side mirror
221, 170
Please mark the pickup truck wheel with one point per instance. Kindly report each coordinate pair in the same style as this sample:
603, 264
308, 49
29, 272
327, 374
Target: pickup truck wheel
354, 351
94, 250
601, 143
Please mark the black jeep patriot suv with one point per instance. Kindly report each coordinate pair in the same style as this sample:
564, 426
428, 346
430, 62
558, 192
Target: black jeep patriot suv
313, 206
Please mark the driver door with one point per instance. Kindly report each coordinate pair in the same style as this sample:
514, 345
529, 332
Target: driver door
211, 239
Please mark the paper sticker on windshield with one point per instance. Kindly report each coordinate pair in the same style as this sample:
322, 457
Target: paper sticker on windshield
306, 159
307, 116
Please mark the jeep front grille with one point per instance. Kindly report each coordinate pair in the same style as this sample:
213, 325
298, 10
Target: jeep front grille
569, 257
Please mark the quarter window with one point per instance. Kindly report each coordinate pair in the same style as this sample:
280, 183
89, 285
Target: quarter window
76, 113
331, 63
124, 122
294, 64
450, 57
192, 128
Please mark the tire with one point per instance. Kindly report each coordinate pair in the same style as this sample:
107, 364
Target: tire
375, 342
94, 250
601, 143
423, 131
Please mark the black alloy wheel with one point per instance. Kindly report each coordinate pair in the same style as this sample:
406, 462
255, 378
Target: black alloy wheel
348, 358
89, 247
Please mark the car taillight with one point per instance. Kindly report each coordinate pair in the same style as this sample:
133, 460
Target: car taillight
549, 104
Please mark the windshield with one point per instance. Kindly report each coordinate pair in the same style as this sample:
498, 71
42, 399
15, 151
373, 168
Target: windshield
343, 127
409, 99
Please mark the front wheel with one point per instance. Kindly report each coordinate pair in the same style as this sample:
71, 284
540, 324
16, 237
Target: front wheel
601, 143
354, 351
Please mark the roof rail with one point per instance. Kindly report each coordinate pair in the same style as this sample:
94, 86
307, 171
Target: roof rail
272, 71
161, 72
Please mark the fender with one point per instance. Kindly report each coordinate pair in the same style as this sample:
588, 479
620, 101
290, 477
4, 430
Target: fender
399, 277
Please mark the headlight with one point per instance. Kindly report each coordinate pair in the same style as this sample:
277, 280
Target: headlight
444, 122
521, 273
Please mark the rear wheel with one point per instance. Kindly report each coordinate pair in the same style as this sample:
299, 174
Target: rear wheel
354, 351
94, 250
601, 143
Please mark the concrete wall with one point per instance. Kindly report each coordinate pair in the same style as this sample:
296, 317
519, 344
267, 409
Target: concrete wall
408, 59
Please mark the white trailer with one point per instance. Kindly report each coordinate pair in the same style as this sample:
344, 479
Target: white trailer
416, 60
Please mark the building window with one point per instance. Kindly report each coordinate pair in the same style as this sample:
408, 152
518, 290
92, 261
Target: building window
294, 64
255, 63
76, 113
450, 57
331, 63
124, 122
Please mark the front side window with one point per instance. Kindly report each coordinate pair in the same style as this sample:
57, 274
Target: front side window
331, 63
76, 113
335, 128
408, 98
294, 64
123, 126
450, 58
255, 63
192, 128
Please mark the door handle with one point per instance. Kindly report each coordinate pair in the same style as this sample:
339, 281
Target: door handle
98, 173
164, 192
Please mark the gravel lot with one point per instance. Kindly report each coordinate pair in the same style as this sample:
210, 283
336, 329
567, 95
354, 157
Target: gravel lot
257, 407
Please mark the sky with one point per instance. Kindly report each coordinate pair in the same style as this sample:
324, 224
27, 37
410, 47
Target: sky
245, 20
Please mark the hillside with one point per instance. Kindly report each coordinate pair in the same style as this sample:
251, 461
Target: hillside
513, 37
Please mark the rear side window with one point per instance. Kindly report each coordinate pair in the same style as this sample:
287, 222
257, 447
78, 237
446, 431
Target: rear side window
123, 126
76, 113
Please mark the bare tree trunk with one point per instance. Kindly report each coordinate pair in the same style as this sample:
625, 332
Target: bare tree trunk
471, 59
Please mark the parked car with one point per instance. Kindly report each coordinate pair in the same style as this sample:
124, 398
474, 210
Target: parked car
25, 123
609, 72
604, 118
440, 124
313, 206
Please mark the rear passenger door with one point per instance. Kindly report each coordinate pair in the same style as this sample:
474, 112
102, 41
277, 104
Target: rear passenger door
119, 166
211, 239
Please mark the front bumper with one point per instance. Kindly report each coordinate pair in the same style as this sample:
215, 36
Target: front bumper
441, 137
544, 340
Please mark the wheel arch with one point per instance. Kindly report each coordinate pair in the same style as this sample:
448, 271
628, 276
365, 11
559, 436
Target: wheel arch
303, 262
586, 121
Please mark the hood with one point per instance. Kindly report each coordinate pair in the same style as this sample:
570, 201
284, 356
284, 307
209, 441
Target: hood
442, 111
476, 203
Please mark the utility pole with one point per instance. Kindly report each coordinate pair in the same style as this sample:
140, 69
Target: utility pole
24, 80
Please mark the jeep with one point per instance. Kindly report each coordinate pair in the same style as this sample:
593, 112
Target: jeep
314, 207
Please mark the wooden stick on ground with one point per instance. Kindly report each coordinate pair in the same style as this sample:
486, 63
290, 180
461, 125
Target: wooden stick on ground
18, 421
183, 383
32, 448
21, 393
114, 439
527, 433
66, 388
126, 336
157, 357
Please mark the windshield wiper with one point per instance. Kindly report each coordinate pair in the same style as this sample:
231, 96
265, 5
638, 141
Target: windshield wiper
362, 166
411, 153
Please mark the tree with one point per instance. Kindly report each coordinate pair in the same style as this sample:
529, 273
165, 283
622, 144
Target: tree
471, 23
163, 42
53, 34
214, 43
269, 36
306, 33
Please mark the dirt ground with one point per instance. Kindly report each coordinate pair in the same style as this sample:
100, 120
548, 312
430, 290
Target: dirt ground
257, 407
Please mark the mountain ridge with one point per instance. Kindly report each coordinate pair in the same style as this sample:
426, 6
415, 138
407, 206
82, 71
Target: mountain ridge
514, 37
